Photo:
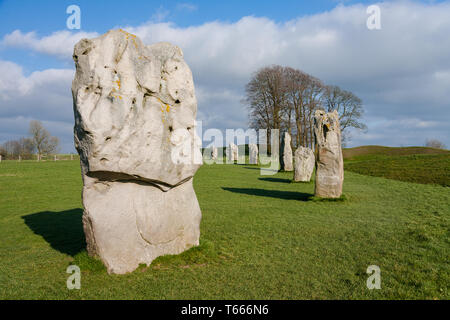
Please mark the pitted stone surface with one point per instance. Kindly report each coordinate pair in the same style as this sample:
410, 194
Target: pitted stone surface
303, 164
286, 158
253, 153
135, 110
214, 153
329, 160
232, 152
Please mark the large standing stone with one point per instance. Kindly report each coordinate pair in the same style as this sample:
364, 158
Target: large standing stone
286, 157
303, 164
135, 111
329, 161
253, 153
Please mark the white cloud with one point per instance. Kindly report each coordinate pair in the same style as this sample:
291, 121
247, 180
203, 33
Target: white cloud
59, 43
160, 14
402, 72
185, 6
43, 95
13, 83
11, 80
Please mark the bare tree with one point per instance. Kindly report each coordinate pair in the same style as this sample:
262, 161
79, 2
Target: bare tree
285, 98
434, 143
313, 102
347, 104
296, 87
303, 93
266, 99
15, 148
8, 148
41, 139
26, 148
3, 152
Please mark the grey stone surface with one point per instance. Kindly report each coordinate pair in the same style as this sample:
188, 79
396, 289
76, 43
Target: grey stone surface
214, 153
286, 153
135, 110
303, 164
253, 153
232, 152
328, 153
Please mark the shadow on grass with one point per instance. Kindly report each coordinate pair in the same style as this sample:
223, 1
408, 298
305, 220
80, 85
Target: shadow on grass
259, 168
63, 230
287, 195
276, 180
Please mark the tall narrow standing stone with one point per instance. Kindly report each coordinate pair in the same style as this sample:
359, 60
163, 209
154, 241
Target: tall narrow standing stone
253, 153
135, 111
232, 152
235, 152
303, 164
213, 153
286, 156
329, 161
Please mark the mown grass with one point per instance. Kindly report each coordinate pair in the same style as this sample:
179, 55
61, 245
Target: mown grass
367, 152
262, 237
418, 168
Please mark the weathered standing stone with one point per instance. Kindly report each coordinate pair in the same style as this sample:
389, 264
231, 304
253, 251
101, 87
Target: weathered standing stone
232, 152
235, 152
329, 161
253, 153
286, 156
229, 152
135, 111
213, 153
303, 164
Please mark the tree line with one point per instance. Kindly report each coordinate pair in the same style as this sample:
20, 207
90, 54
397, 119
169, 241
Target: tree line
434, 143
40, 141
285, 98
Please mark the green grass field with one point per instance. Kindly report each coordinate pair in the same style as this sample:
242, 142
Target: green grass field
262, 237
420, 168
365, 152
412, 164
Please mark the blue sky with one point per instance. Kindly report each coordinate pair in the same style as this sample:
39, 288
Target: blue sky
401, 72
102, 15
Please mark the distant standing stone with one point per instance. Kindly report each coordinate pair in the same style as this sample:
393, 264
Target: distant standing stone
235, 152
213, 153
329, 161
286, 157
303, 164
253, 153
232, 152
